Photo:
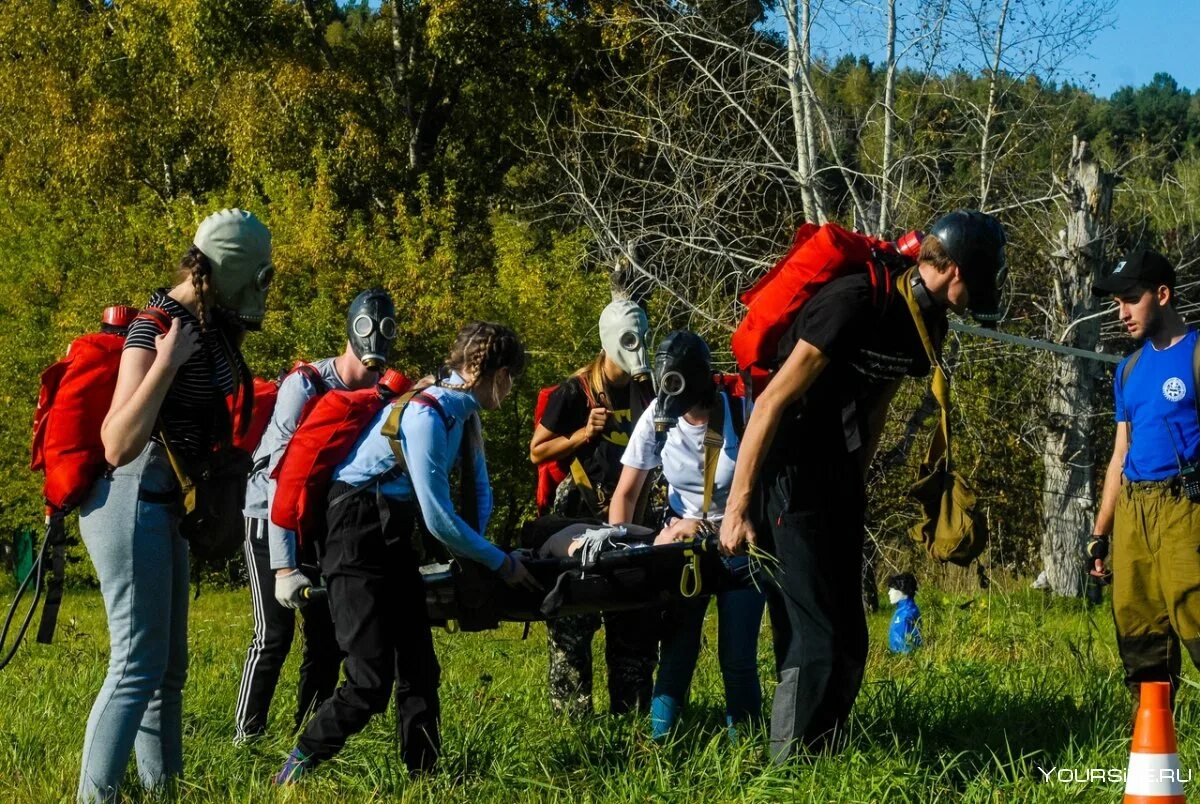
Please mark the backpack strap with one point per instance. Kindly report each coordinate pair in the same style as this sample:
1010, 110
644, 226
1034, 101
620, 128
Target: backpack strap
939, 446
157, 316
313, 375
714, 443
587, 490
1123, 381
391, 427
1196, 374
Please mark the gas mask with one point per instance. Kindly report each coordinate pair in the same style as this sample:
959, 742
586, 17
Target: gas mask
238, 246
895, 596
623, 327
683, 376
975, 240
371, 327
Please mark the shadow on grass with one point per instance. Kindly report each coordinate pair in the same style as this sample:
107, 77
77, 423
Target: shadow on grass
972, 720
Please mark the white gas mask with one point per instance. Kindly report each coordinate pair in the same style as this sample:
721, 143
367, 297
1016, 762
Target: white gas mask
623, 327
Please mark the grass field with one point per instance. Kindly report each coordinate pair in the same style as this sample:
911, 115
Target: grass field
1008, 683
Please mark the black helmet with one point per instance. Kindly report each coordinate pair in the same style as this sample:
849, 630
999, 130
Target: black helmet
975, 240
371, 327
683, 376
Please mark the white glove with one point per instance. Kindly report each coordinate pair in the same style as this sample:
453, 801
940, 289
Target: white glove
288, 589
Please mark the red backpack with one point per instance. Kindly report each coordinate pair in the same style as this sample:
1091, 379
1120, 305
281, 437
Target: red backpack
331, 425
75, 395
818, 255
266, 392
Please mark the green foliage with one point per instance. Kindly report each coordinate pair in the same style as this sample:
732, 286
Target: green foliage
402, 152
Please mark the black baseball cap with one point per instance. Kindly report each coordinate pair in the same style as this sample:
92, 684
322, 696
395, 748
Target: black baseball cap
1140, 268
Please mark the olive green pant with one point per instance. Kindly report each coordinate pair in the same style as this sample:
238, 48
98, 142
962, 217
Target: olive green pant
1156, 581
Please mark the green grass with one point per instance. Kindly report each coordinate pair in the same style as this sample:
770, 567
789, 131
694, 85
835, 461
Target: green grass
1009, 683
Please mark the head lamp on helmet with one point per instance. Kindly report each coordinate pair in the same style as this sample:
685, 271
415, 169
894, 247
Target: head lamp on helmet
623, 327
975, 241
371, 327
683, 376
238, 246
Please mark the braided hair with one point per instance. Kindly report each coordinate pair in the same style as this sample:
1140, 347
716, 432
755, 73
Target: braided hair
198, 269
483, 347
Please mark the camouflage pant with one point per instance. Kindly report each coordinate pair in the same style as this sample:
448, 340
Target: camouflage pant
631, 652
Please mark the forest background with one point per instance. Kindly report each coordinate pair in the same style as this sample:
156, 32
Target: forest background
524, 160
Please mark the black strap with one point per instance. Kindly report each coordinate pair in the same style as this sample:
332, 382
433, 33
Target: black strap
56, 535
376, 482
737, 414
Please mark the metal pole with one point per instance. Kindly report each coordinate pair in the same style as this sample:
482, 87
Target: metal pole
1048, 346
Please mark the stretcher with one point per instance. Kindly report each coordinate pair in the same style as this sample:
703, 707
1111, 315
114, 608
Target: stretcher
464, 596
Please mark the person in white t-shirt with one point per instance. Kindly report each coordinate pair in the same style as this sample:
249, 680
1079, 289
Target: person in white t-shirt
672, 434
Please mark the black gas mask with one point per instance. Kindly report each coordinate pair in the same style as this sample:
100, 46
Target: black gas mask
371, 327
975, 240
683, 376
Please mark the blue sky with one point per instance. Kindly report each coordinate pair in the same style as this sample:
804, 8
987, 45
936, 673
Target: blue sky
1150, 36
1147, 37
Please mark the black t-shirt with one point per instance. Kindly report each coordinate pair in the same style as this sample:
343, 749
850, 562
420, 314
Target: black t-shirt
868, 350
567, 410
191, 413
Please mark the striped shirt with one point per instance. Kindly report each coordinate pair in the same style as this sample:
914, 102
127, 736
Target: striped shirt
191, 410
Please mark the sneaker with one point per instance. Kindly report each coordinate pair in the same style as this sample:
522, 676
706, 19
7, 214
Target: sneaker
245, 738
296, 766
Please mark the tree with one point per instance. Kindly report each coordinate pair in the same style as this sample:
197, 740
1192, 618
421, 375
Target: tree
1070, 448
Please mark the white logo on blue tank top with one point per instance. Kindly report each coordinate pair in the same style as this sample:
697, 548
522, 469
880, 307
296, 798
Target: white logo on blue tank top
1174, 389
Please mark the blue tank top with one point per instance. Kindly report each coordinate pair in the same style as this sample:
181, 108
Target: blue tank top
1159, 402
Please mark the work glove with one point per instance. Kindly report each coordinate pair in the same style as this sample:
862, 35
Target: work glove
1096, 573
290, 588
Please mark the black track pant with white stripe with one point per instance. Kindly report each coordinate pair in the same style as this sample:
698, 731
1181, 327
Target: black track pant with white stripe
274, 626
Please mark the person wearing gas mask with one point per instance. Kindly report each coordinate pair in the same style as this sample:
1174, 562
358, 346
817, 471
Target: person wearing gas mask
798, 489
692, 432
181, 359
278, 575
585, 428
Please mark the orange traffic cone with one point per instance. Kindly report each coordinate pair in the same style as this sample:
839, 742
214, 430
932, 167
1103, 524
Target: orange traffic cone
1154, 776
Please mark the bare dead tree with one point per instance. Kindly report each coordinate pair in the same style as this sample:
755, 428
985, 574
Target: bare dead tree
1070, 450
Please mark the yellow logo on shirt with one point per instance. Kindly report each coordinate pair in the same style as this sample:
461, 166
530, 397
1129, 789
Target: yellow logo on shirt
620, 434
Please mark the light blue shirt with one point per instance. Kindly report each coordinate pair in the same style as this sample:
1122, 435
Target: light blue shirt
431, 447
